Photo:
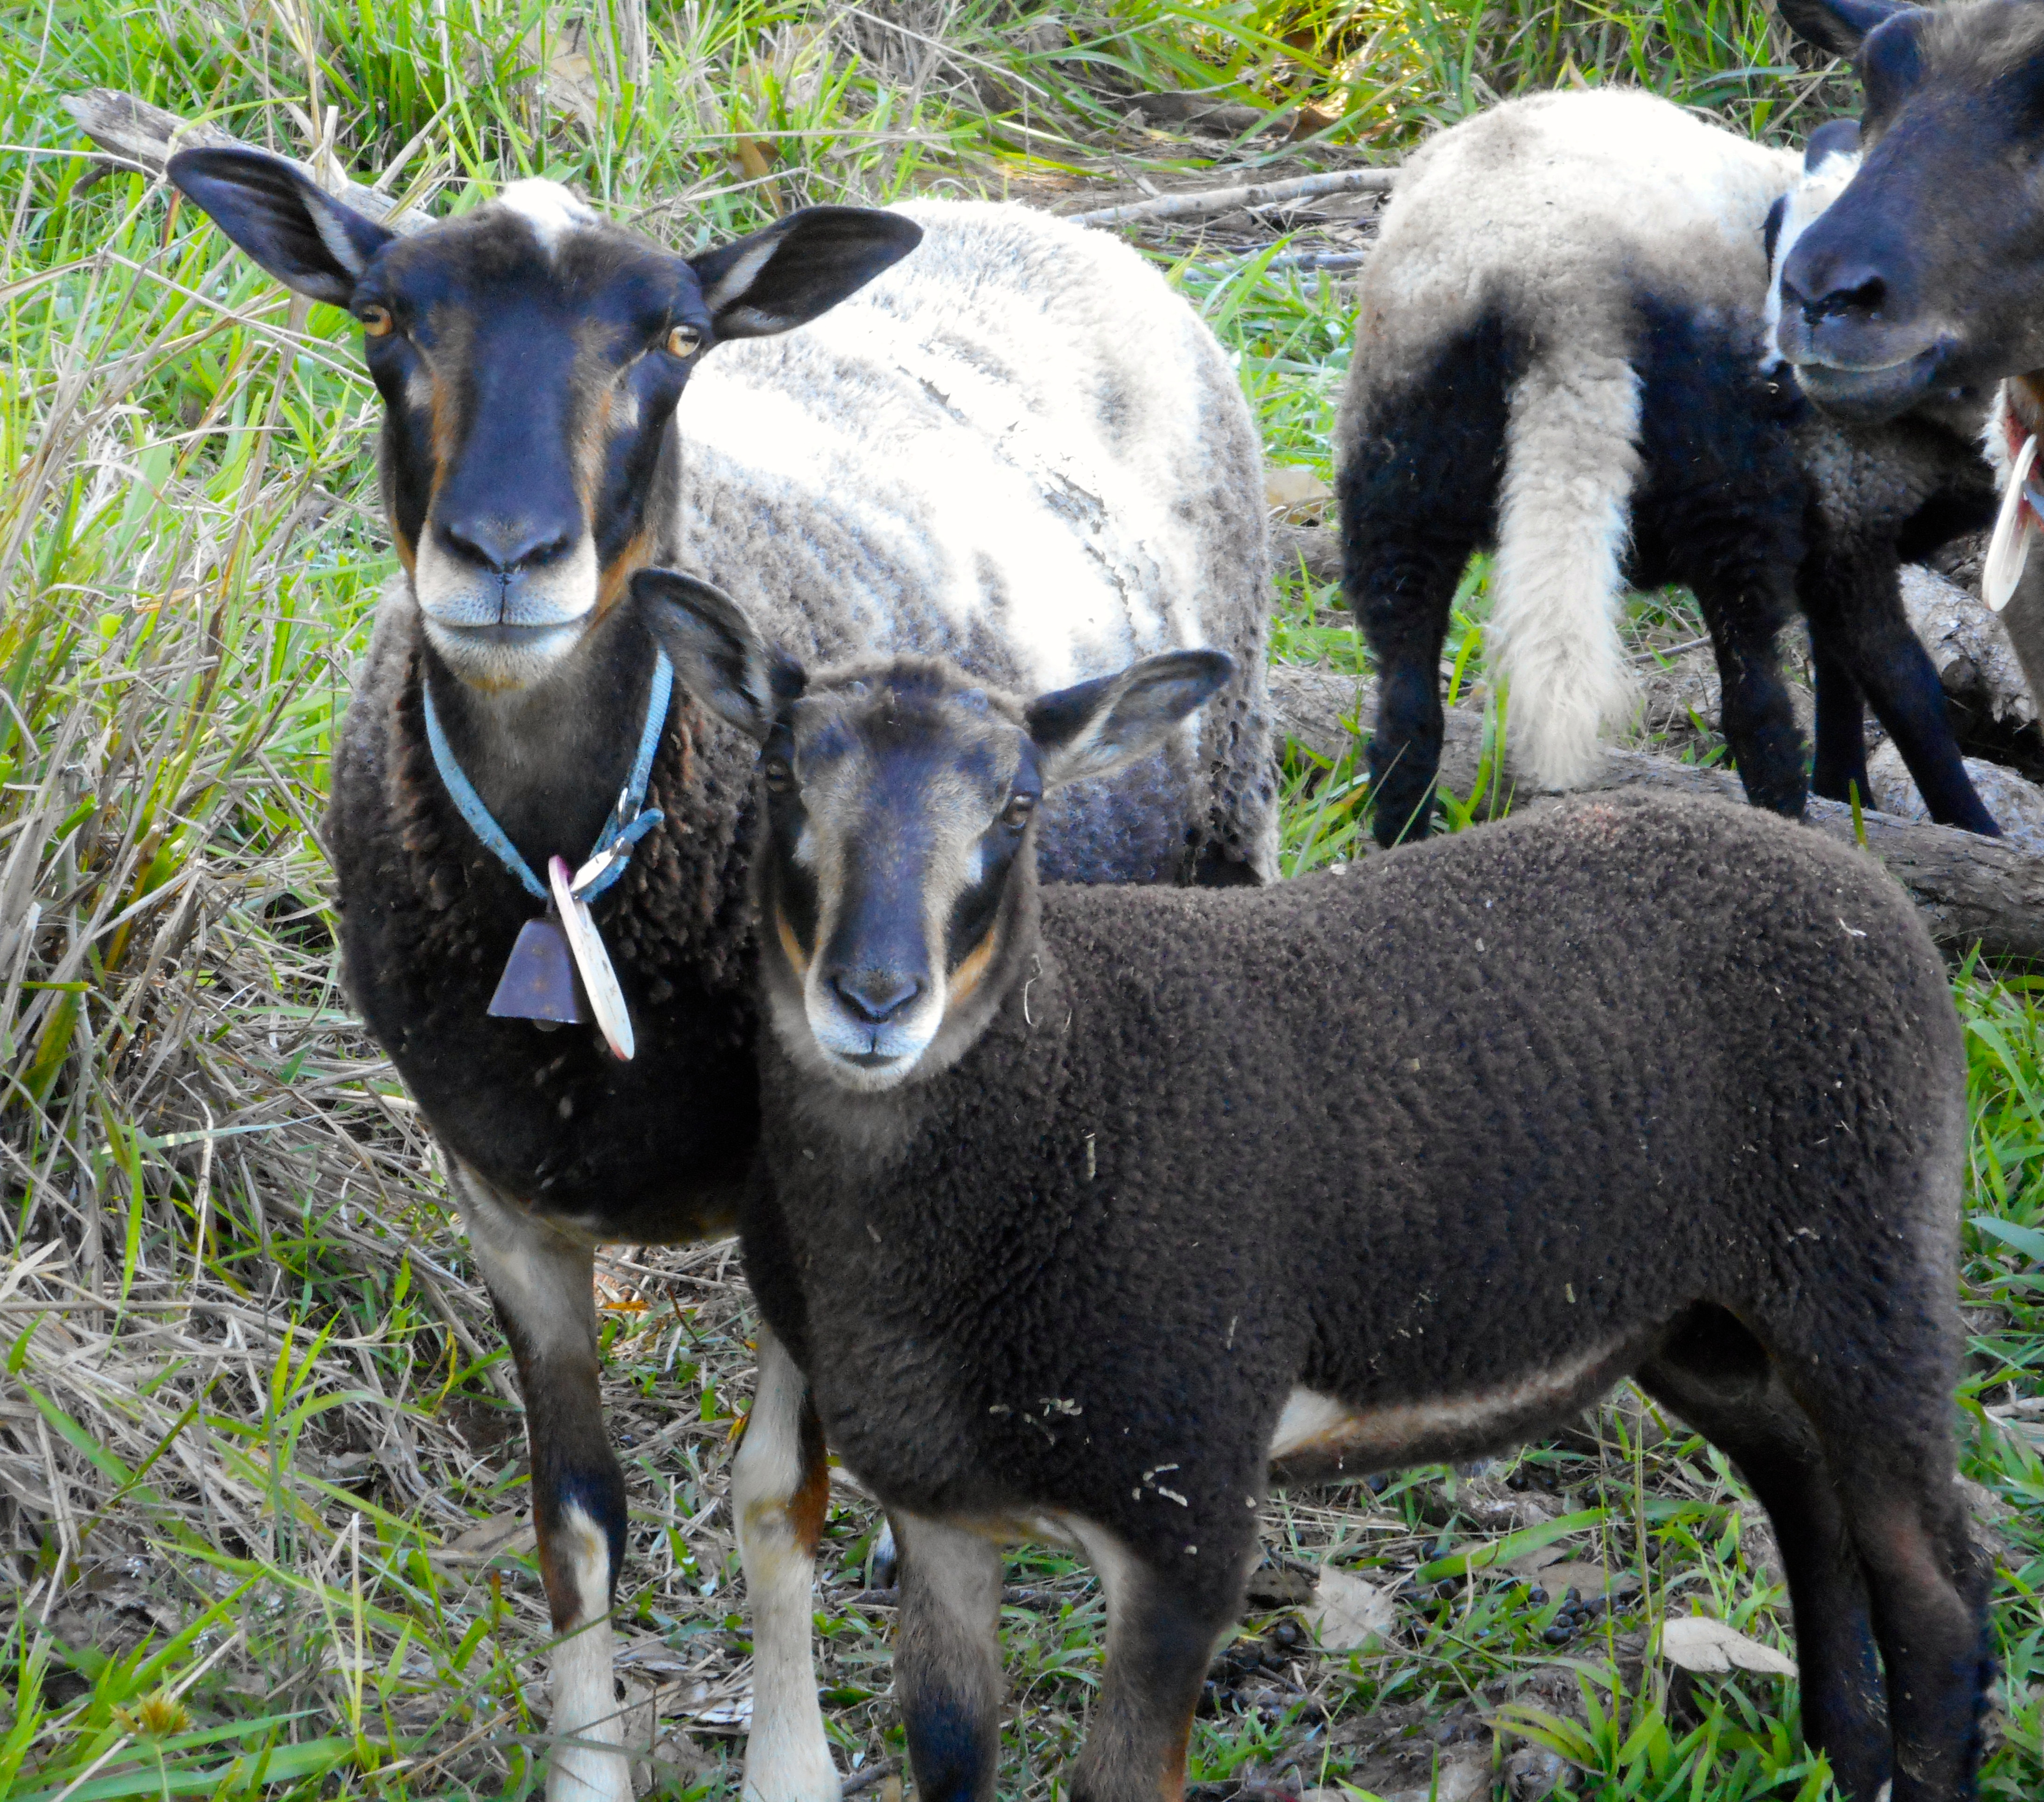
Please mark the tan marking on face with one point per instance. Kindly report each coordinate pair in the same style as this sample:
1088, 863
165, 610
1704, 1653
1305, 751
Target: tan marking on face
408, 552
791, 947
971, 968
451, 347
638, 552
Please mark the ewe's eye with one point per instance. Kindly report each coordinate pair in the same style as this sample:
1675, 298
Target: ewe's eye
1016, 814
780, 778
376, 321
684, 341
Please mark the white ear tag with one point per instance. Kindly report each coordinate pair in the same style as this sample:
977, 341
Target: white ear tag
2014, 528
606, 999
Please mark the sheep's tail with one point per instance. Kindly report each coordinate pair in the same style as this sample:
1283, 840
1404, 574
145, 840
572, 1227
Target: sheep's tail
1571, 458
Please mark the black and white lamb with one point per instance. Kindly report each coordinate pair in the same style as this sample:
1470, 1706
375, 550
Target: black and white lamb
1085, 1208
1564, 350
1015, 446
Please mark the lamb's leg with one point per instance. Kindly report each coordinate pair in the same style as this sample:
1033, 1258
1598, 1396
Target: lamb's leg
1927, 1583
1841, 759
780, 1491
1759, 722
1162, 1635
1714, 1375
947, 1657
541, 1282
1854, 598
1418, 491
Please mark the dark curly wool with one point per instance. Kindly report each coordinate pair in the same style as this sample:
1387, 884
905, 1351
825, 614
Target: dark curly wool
428, 917
1454, 1140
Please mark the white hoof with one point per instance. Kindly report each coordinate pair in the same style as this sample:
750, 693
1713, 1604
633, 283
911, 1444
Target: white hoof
790, 1773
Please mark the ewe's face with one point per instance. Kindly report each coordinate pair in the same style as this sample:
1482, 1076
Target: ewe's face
1920, 283
896, 809
529, 359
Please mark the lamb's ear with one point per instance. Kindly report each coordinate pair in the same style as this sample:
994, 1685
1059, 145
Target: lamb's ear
718, 656
1839, 25
799, 267
304, 237
1099, 726
1835, 137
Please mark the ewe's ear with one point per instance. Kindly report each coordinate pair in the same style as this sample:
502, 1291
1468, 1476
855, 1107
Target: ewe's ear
1837, 26
1099, 726
717, 655
798, 268
304, 237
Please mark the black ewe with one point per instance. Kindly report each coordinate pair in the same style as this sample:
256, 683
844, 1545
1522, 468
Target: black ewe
1017, 446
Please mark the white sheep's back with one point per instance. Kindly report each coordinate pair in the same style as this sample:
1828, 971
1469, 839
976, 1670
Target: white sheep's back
1569, 204
1017, 448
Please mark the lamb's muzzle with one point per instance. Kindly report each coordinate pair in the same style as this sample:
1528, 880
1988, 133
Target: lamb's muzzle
1185, 1190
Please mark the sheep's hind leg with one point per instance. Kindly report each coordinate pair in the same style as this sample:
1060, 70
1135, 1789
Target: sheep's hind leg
1418, 494
780, 1491
1853, 599
1714, 1374
541, 1282
1162, 1630
947, 1658
1927, 1583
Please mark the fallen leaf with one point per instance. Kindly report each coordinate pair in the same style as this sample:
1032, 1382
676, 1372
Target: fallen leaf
1461, 1777
1348, 1612
1293, 485
726, 1703
480, 1543
1586, 1579
1527, 1564
1710, 1647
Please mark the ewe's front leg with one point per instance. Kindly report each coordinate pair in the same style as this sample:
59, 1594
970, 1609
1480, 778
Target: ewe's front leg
1853, 599
780, 1489
540, 1281
947, 1658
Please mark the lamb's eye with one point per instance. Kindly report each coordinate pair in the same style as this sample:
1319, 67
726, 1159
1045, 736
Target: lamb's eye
376, 321
684, 341
1017, 812
780, 778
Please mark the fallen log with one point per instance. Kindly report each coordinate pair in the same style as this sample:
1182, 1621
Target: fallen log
1973, 891
1210, 202
145, 137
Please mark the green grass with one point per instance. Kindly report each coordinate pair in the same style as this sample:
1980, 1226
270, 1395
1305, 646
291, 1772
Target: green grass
260, 1472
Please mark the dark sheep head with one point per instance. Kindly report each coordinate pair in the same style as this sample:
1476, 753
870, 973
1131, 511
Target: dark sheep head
896, 874
530, 356
1922, 282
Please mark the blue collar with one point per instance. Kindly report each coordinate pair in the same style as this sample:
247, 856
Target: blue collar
630, 823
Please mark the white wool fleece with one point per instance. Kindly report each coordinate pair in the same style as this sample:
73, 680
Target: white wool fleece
1561, 210
1022, 416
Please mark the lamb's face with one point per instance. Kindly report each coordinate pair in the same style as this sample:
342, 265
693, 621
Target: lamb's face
898, 806
895, 868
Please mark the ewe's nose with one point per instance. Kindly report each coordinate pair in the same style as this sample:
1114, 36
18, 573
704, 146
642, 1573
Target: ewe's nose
504, 544
1846, 291
875, 996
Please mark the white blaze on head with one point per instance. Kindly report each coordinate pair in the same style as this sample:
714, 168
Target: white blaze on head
549, 208
1821, 182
